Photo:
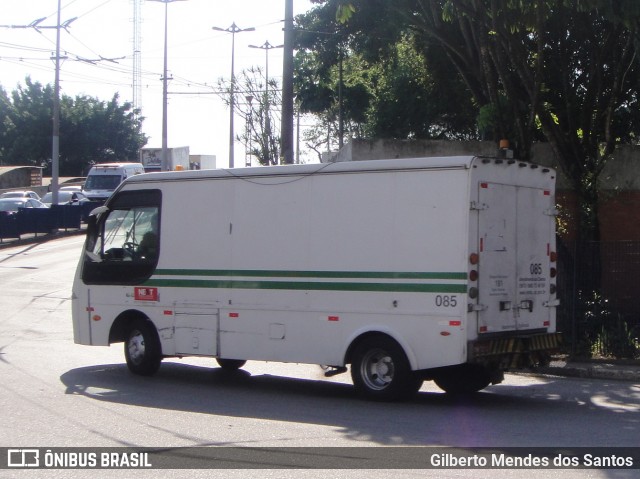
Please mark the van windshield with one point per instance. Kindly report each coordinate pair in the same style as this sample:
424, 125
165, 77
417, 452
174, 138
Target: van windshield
123, 240
102, 182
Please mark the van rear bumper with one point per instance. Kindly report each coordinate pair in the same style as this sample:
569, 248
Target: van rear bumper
515, 352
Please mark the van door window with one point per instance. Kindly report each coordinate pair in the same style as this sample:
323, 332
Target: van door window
129, 235
123, 243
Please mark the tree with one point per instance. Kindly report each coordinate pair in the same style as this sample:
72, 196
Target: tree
409, 101
91, 130
338, 96
393, 82
5, 119
28, 137
97, 131
259, 105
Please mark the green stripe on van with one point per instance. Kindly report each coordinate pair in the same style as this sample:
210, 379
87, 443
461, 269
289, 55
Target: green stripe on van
315, 280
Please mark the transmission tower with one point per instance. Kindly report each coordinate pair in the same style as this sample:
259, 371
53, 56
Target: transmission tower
137, 54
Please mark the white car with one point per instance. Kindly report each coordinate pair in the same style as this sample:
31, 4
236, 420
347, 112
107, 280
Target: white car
12, 205
20, 194
66, 197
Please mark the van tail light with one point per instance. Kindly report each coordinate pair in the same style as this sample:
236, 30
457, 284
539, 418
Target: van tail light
553, 258
474, 259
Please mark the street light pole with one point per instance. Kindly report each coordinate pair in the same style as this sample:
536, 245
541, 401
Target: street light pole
249, 143
165, 166
55, 142
55, 147
233, 29
286, 131
266, 46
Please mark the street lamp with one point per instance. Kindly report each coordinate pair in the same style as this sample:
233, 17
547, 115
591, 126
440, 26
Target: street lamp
266, 46
233, 29
165, 157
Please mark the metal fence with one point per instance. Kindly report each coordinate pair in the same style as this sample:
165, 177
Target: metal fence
43, 220
600, 298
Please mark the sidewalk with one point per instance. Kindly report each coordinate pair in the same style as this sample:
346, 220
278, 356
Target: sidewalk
628, 370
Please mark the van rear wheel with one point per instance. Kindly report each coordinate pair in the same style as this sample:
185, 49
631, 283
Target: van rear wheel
380, 370
230, 364
464, 379
142, 348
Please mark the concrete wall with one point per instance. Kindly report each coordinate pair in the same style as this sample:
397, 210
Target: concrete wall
620, 174
359, 150
25, 177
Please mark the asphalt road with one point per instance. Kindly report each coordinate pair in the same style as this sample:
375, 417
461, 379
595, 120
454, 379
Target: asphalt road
58, 394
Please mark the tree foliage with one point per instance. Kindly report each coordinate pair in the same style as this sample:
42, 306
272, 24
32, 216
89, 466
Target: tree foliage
390, 86
91, 130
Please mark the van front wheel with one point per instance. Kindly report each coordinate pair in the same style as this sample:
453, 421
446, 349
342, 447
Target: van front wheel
142, 348
380, 370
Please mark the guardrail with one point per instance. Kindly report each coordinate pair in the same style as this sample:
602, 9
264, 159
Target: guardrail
44, 220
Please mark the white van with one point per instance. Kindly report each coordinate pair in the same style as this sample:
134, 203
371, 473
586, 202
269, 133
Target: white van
427, 268
104, 178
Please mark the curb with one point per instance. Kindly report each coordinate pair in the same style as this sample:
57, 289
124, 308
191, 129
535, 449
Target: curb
609, 370
42, 238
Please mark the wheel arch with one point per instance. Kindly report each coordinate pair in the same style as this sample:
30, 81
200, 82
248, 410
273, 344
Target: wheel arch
119, 328
364, 335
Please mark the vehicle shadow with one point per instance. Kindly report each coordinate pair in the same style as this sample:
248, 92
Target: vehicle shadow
503, 414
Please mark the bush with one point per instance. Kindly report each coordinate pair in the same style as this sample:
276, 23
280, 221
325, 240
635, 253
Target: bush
604, 333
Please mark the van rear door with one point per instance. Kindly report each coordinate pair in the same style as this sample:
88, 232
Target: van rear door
514, 243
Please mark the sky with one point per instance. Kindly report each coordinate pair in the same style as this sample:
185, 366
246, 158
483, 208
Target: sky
197, 57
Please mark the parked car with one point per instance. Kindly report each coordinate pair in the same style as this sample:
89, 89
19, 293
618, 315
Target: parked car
12, 205
66, 197
20, 194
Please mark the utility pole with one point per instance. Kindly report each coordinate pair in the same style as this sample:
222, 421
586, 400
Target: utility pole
286, 131
55, 143
267, 120
165, 148
233, 29
137, 56
55, 147
248, 124
340, 102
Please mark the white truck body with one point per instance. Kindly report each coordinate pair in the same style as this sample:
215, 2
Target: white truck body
178, 158
104, 178
450, 259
